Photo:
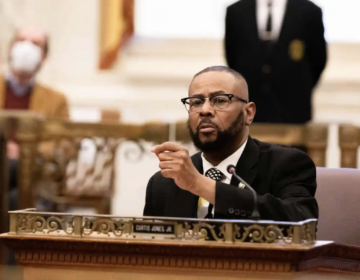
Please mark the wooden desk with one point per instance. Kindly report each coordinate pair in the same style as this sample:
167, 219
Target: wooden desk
66, 247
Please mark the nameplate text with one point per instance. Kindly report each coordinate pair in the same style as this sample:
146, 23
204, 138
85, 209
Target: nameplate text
154, 228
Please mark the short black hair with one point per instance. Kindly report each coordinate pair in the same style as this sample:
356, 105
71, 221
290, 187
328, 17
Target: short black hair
221, 68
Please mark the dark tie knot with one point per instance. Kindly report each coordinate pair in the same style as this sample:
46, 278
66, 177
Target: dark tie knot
214, 174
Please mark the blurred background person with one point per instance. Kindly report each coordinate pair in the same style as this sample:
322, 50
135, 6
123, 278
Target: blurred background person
20, 90
280, 49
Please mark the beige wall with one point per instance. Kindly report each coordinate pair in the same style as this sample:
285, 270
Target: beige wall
73, 29
156, 71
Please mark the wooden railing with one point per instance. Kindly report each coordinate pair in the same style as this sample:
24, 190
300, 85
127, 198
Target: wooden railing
312, 136
49, 151
48, 147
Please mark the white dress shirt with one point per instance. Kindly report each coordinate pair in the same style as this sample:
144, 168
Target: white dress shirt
278, 8
232, 159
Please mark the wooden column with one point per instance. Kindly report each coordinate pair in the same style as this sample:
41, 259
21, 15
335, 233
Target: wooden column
349, 142
27, 136
316, 138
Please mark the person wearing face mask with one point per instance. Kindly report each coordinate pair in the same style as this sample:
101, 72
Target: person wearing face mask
19, 89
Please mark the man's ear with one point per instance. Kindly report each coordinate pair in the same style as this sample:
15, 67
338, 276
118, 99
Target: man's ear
250, 113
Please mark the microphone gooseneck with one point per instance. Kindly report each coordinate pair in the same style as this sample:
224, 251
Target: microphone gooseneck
232, 170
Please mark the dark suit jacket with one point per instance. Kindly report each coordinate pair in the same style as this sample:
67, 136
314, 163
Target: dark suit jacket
280, 78
283, 178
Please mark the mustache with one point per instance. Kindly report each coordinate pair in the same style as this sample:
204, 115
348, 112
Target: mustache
207, 121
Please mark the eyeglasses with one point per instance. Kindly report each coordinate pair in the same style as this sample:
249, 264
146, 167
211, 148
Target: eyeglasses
219, 102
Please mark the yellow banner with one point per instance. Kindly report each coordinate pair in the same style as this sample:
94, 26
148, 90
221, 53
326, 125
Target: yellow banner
116, 27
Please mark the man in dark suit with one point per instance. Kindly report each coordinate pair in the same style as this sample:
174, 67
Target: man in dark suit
280, 49
200, 186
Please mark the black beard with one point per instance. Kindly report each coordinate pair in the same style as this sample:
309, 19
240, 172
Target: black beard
224, 137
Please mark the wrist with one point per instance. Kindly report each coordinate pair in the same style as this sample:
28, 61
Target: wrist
204, 187
196, 185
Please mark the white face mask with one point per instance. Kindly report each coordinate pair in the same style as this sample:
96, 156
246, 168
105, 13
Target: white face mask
25, 57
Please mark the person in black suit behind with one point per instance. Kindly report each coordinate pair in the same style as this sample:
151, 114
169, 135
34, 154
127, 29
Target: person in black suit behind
280, 49
220, 114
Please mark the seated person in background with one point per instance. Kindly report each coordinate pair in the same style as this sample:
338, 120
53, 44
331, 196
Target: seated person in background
200, 186
19, 90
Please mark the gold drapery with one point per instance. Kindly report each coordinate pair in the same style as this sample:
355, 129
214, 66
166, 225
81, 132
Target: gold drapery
116, 27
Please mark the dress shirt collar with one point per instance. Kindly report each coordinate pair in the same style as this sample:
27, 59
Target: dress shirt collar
232, 159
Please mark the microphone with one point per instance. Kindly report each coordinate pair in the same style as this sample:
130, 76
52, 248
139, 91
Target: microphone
232, 170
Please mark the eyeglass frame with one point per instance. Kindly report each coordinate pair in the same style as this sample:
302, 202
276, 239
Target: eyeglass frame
229, 95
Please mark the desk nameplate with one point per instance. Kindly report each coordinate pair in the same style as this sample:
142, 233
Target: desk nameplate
154, 228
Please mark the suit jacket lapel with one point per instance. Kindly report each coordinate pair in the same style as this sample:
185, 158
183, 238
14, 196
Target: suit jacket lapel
185, 203
253, 30
245, 166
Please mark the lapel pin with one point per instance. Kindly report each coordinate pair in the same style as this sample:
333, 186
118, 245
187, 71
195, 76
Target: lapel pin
241, 185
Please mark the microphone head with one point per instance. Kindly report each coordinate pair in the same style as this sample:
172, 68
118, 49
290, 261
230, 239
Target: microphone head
231, 168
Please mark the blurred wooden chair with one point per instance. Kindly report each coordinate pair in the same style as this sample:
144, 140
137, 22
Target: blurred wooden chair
349, 142
50, 165
337, 194
313, 136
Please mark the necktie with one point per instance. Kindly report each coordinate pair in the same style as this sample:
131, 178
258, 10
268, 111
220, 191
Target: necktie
216, 175
269, 21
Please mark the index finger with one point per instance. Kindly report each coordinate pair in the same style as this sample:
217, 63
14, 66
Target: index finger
167, 146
